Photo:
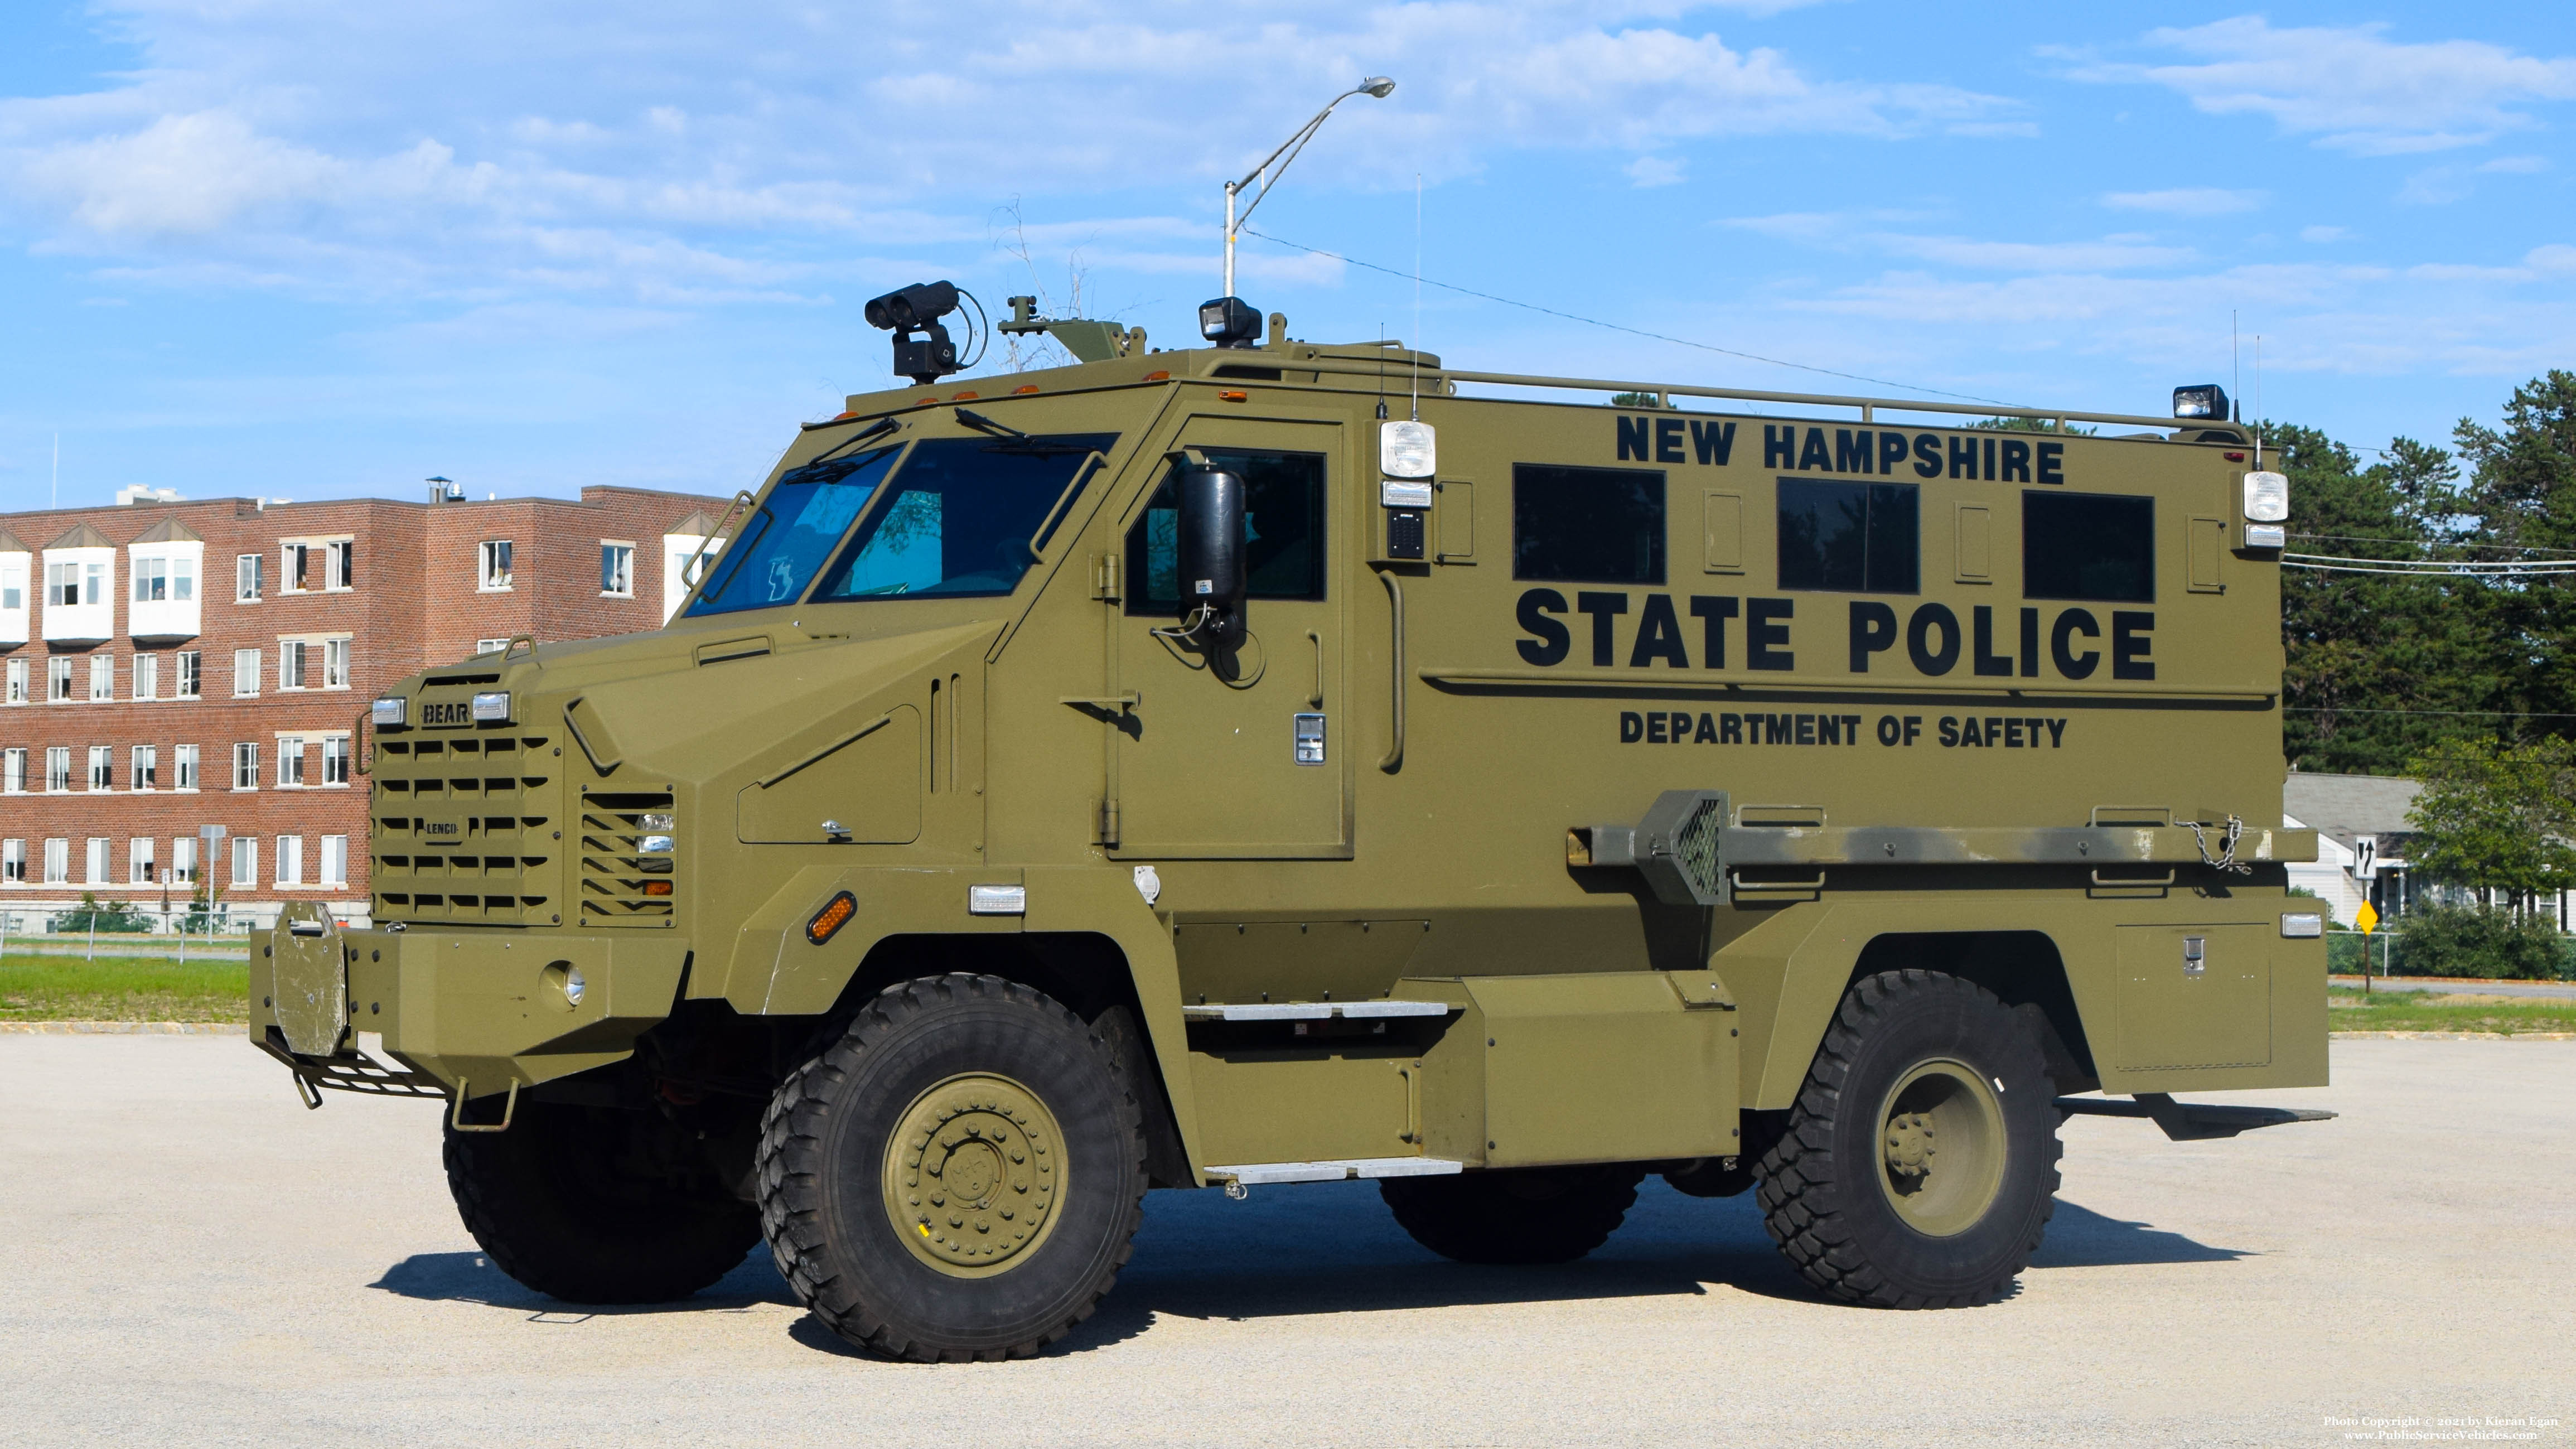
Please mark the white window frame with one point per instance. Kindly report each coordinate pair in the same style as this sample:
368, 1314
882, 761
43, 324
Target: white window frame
290, 762
245, 764
335, 761
188, 677
102, 768
339, 565
294, 566
13, 771
151, 581
335, 663
17, 682
287, 859
490, 646
183, 860
97, 859
616, 568
334, 864
143, 767
245, 862
495, 559
246, 676
147, 675
58, 860
250, 577
138, 860
58, 769
102, 677
290, 664
183, 768
13, 862
58, 679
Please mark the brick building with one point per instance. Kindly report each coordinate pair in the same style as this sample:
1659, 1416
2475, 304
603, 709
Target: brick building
167, 665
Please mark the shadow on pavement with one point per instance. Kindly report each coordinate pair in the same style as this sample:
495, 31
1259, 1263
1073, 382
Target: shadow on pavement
471, 1278
2079, 1237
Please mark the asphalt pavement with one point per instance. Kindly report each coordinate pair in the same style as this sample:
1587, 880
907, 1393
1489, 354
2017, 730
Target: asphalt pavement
193, 1258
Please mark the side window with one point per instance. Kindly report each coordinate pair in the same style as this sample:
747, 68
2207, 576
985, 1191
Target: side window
1283, 526
1851, 538
1587, 525
2097, 546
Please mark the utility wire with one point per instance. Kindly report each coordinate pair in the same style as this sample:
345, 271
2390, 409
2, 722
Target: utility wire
1615, 327
2478, 713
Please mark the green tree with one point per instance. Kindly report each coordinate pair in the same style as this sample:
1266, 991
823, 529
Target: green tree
2030, 425
2497, 817
2521, 495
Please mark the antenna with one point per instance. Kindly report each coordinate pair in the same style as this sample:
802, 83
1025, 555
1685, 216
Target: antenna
2235, 367
2258, 401
1417, 296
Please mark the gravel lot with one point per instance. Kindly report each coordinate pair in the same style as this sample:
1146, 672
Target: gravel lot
195, 1259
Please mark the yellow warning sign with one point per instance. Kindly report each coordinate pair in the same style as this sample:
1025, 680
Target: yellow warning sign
2366, 918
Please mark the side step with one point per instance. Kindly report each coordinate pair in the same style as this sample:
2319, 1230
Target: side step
1248, 1174
1312, 1010
2191, 1121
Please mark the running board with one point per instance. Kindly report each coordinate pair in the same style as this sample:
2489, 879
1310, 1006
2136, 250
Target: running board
2191, 1121
1312, 1011
1248, 1174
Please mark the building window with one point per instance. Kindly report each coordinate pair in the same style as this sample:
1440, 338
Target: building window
102, 676
290, 762
102, 767
183, 580
335, 664
335, 860
245, 673
296, 577
138, 861
58, 862
95, 861
290, 664
245, 766
13, 588
151, 580
495, 566
147, 675
63, 586
245, 862
13, 772
335, 759
290, 860
58, 678
490, 646
183, 860
145, 771
58, 769
191, 676
183, 768
17, 681
250, 572
340, 570
617, 570
13, 862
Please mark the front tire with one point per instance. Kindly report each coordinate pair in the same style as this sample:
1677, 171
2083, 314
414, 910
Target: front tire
1919, 1168
1514, 1215
959, 1177
584, 1204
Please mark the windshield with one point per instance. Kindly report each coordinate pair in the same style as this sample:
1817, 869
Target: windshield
961, 518
788, 539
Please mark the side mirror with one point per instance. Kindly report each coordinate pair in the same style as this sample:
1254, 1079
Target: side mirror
1211, 551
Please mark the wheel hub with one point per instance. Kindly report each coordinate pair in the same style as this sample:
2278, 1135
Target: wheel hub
973, 1171
1941, 1147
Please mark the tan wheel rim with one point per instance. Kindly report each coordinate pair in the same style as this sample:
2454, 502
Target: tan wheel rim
973, 1173
1941, 1147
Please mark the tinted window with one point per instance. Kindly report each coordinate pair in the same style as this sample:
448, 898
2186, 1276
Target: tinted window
777, 552
1853, 538
1283, 531
1587, 525
960, 518
2088, 546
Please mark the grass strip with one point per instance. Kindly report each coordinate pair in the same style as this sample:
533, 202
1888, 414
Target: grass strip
2347, 1009
122, 988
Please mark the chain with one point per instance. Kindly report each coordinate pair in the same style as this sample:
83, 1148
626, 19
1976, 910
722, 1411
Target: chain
2227, 856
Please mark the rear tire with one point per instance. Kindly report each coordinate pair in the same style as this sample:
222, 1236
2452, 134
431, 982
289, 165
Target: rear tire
1514, 1215
1919, 1168
960, 1176
568, 1202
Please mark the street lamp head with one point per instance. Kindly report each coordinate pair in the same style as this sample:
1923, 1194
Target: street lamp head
1378, 86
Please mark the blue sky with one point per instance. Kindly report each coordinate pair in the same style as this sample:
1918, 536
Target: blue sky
306, 249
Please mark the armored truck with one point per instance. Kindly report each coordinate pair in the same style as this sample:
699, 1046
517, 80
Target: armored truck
1271, 762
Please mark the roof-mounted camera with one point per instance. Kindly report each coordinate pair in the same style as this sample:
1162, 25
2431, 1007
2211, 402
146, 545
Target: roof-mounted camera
917, 309
1229, 322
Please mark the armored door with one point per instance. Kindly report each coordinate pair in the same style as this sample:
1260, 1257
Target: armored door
1240, 753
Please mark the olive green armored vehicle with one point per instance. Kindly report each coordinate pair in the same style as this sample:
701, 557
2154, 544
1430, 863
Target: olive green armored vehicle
1267, 762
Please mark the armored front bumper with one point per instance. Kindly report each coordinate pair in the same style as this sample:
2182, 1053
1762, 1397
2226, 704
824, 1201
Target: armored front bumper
430, 1012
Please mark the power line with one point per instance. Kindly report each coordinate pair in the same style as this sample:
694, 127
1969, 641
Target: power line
1615, 327
2429, 543
2460, 713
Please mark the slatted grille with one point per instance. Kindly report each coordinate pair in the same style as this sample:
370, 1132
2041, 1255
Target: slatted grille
463, 829
629, 859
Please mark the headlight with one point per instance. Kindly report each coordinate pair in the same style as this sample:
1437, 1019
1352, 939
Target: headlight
1407, 450
2267, 497
492, 707
2207, 400
653, 845
392, 710
653, 821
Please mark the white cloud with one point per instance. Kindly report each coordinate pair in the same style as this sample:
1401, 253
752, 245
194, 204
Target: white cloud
2515, 165
2187, 201
2435, 186
1648, 171
2323, 233
2351, 87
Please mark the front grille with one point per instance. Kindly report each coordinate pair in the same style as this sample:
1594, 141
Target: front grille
464, 829
629, 859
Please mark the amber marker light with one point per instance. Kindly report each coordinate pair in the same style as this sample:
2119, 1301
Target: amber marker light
1158, 376
657, 888
1024, 387
1230, 395
835, 914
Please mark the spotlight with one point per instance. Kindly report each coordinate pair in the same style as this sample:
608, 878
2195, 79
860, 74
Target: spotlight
1229, 322
2208, 400
918, 308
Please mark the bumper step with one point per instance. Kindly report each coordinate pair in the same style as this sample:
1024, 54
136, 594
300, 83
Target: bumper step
1249, 1174
2191, 1121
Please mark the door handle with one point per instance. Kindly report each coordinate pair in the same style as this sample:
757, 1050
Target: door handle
1316, 699
1395, 599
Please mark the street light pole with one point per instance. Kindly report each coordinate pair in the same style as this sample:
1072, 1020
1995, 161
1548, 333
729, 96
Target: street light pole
1377, 86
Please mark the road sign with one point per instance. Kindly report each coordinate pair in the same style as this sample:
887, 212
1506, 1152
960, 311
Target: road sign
2366, 918
2365, 856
